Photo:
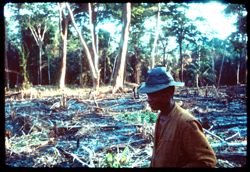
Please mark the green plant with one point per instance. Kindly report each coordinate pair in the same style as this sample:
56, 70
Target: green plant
118, 160
138, 117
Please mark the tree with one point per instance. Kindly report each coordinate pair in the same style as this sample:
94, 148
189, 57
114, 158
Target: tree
24, 56
7, 80
181, 27
38, 33
157, 30
64, 23
92, 24
30, 20
120, 63
93, 70
239, 38
139, 13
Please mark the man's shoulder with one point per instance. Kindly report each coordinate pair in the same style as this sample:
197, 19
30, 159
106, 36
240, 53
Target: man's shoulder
184, 114
187, 120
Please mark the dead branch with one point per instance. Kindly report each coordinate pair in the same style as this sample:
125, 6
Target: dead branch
91, 155
214, 135
229, 144
75, 157
236, 134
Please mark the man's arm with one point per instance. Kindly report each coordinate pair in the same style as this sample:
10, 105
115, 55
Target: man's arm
196, 147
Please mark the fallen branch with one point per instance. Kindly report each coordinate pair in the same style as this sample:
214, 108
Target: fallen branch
116, 127
234, 144
237, 134
74, 156
214, 135
12, 94
55, 105
91, 155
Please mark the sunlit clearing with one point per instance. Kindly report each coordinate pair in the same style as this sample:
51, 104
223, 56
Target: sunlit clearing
216, 22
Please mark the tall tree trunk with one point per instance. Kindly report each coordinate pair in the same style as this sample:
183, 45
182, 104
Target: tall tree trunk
90, 60
164, 56
221, 67
64, 61
199, 66
24, 56
92, 19
213, 63
104, 67
181, 60
49, 70
81, 69
238, 73
64, 34
120, 65
197, 80
40, 64
39, 37
6, 58
156, 36
246, 68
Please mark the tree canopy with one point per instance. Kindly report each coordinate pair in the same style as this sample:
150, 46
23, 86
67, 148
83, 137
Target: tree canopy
34, 46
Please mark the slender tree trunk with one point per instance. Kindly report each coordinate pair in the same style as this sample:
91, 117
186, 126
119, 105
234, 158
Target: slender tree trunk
120, 65
221, 67
94, 42
238, 73
97, 45
40, 64
6, 58
104, 67
213, 63
49, 70
38, 74
64, 34
23, 63
81, 69
197, 80
156, 36
39, 37
246, 69
64, 61
94, 72
199, 66
181, 60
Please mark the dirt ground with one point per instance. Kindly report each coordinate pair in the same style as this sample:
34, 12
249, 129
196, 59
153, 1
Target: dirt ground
94, 130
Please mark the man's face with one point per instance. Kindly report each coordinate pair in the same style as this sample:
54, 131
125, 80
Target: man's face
159, 100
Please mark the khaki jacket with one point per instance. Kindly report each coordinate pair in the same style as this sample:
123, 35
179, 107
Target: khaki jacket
180, 142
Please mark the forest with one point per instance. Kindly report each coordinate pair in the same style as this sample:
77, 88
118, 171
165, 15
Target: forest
72, 72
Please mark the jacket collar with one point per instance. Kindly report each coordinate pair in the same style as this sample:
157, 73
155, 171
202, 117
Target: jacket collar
170, 114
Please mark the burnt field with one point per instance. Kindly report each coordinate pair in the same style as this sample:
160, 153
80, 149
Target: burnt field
114, 130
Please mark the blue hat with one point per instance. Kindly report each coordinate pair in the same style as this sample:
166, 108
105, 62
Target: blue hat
158, 79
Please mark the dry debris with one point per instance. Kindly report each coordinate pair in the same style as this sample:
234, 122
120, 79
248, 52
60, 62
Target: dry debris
86, 131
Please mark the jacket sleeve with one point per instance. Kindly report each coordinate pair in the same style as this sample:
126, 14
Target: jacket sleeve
196, 146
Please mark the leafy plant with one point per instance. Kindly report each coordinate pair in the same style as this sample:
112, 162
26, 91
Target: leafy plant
139, 117
117, 160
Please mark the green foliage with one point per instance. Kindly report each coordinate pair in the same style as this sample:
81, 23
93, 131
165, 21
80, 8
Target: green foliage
138, 117
175, 24
118, 160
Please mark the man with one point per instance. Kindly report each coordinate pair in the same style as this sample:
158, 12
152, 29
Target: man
179, 139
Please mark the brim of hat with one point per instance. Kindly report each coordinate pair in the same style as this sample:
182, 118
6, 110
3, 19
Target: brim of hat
151, 89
